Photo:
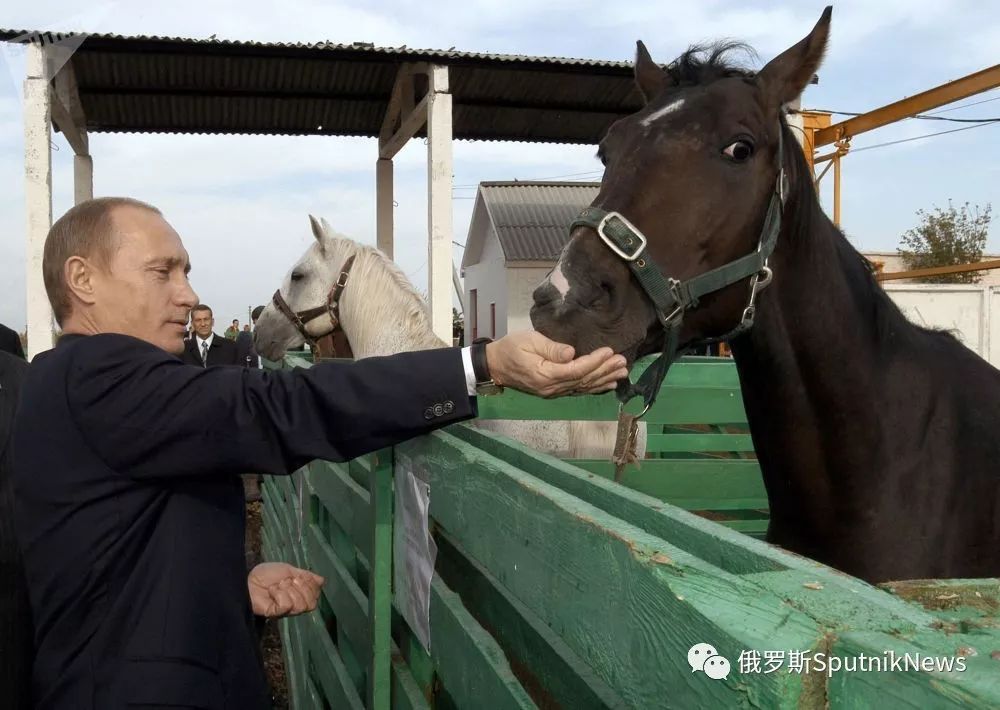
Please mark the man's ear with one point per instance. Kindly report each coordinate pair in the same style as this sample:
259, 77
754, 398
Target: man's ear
786, 76
79, 275
649, 76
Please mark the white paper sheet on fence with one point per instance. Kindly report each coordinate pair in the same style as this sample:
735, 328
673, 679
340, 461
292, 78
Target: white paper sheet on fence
414, 550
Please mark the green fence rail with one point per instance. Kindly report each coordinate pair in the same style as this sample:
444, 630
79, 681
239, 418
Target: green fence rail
554, 587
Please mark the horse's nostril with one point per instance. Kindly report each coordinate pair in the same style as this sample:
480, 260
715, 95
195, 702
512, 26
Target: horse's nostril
544, 294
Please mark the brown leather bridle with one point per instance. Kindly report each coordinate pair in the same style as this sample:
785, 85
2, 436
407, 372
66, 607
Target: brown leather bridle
334, 342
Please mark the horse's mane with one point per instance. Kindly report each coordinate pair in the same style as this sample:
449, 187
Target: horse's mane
389, 299
705, 63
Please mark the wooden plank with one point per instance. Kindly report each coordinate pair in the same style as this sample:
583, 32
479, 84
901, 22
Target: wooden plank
706, 541
547, 668
380, 583
347, 502
675, 405
360, 469
313, 696
693, 534
341, 591
701, 480
978, 686
338, 690
406, 693
418, 661
470, 664
630, 605
668, 443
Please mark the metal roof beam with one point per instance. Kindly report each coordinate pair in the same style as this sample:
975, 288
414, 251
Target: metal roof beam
918, 103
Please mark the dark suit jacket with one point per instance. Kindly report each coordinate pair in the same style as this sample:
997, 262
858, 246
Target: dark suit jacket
10, 342
131, 513
15, 613
221, 352
246, 352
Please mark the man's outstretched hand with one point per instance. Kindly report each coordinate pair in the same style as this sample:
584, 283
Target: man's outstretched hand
277, 589
530, 362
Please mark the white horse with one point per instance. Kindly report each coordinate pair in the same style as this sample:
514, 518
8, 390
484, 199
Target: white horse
381, 313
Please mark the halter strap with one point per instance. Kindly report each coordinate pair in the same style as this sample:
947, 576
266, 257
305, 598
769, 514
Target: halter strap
299, 319
671, 297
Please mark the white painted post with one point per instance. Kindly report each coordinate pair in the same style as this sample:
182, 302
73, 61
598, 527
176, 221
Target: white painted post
83, 178
383, 205
38, 194
439, 217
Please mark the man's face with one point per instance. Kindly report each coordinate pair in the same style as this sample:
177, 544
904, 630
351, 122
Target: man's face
145, 293
203, 323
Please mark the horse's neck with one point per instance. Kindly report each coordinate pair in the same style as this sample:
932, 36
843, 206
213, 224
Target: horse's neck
381, 318
809, 372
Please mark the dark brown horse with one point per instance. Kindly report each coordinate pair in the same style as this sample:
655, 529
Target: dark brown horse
879, 441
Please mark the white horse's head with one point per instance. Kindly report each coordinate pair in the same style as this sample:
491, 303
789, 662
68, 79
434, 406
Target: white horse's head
306, 286
379, 309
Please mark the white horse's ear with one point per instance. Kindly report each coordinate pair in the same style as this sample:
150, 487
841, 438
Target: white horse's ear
326, 226
317, 229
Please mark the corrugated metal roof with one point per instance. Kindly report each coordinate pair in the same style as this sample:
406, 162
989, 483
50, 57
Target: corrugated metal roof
532, 218
168, 84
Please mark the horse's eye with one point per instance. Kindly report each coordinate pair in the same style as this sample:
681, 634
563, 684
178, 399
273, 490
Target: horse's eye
739, 151
297, 276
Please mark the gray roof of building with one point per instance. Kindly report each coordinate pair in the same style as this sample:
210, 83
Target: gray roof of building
146, 84
532, 218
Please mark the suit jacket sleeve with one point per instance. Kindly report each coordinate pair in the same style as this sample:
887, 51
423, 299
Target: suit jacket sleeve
147, 414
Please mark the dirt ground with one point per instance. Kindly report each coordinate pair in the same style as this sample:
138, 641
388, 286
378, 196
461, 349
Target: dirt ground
274, 662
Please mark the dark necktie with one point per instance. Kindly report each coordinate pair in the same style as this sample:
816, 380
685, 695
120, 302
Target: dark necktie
204, 354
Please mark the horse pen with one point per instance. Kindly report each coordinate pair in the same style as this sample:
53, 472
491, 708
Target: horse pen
464, 569
555, 587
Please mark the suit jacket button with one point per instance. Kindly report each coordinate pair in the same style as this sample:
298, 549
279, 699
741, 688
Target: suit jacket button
449, 407
429, 413
438, 410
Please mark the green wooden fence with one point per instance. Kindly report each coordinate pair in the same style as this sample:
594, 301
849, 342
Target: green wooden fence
556, 588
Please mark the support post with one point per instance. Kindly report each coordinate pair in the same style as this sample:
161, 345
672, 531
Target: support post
439, 216
836, 188
38, 195
383, 205
83, 178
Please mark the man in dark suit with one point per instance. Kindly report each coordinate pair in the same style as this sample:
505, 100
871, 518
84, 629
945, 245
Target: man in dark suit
129, 505
10, 342
15, 612
205, 348
244, 342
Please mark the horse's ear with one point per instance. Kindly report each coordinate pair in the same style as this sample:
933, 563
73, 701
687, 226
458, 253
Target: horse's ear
649, 76
786, 76
317, 229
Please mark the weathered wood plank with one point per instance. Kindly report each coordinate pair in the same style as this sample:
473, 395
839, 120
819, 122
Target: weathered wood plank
340, 590
670, 443
978, 686
687, 405
406, 693
547, 668
380, 582
691, 480
347, 502
706, 541
333, 677
470, 664
627, 603
693, 534
419, 663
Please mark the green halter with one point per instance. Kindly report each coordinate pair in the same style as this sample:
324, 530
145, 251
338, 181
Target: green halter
672, 298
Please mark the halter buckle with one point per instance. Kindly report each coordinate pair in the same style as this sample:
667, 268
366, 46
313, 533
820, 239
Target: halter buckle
760, 281
635, 234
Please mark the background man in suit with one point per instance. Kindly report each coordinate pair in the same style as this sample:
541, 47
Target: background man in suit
244, 341
132, 546
10, 342
15, 612
206, 349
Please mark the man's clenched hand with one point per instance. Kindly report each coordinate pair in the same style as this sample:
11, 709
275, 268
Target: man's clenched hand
277, 589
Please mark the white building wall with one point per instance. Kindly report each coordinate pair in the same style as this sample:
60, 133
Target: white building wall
489, 280
521, 282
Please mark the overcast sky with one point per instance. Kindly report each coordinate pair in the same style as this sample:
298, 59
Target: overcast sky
241, 203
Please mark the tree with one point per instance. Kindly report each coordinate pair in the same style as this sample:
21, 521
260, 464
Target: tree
457, 326
947, 237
